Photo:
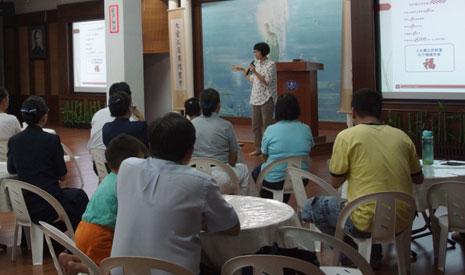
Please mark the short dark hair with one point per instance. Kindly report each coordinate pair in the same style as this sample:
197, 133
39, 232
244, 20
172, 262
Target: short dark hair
33, 109
170, 137
119, 104
209, 100
192, 106
367, 102
119, 87
287, 107
263, 48
3, 93
122, 147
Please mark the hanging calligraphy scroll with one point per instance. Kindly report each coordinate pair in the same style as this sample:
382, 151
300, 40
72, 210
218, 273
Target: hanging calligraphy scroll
177, 57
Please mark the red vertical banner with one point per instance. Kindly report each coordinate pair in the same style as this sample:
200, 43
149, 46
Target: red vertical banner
114, 18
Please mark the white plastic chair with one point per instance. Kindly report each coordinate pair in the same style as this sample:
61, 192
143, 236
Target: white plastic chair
205, 165
384, 226
304, 239
3, 150
450, 195
296, 177
98, 155
141, 265
75, 159
294, 161
52, 232
22, 218
268, 264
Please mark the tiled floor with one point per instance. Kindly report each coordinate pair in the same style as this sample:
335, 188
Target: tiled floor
76, 140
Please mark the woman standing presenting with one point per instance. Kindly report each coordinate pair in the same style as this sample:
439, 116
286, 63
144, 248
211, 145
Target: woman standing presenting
264, 91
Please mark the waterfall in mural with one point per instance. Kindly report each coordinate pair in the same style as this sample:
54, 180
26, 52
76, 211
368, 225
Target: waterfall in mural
292, 28
272, 16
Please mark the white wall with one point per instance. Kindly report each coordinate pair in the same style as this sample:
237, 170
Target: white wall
157, 85
26, 6
124, 49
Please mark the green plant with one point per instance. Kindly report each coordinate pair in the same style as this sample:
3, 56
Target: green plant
419, 125
448, 128
79, 112
392, 119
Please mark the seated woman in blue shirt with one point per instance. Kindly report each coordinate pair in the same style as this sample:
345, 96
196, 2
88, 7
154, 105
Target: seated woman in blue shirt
120, 106
37, 157
288, 137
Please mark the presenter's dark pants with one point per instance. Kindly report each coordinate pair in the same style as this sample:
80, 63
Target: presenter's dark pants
262, 116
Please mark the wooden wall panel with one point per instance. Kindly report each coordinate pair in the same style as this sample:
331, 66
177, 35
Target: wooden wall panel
50, 77
198, 47
23, 48
155, 26
11, 52
81, 11
39, 77
363, 44
53, 58
64, 58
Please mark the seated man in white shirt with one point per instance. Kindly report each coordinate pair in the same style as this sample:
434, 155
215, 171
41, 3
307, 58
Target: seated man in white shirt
215, 138
163, 204
9, 124
103, 116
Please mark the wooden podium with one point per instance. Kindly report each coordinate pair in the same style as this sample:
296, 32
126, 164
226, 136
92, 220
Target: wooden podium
300, 79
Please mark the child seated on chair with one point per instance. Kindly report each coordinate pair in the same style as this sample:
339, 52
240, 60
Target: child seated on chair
94, 235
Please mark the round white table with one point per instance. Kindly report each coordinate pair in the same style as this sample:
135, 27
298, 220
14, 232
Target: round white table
433, 174
437, 172
259, 218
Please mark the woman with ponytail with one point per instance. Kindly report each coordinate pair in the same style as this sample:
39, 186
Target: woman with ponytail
120, 106
215, 138
37, 157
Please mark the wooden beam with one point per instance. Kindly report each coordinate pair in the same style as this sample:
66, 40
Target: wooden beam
90, 10
198, 47
363, 44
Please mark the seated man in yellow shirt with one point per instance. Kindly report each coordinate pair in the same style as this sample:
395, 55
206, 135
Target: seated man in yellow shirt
372, 157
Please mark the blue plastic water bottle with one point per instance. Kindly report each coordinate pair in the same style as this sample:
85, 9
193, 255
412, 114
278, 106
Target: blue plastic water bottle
427, 147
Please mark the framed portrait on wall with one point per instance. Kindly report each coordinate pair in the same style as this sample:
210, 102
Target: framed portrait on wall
37, 42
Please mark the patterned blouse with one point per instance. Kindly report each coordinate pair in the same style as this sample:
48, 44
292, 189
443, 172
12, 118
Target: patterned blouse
260, 92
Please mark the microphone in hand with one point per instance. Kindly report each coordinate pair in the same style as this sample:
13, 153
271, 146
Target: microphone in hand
251, 64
